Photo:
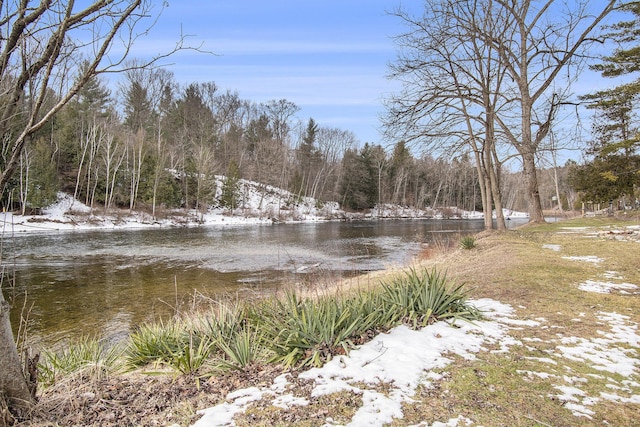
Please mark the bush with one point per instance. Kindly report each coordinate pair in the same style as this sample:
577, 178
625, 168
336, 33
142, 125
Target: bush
306, 332
467, 242
154, 342
88, 358
237, 344
422, 298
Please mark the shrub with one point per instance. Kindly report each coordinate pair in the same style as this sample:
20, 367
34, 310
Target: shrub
88, 358
242, 350
421, 298
154, 342
307, 332
192, 355
237, 344
467, 242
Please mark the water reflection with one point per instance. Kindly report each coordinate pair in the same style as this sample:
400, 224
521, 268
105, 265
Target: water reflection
106, 282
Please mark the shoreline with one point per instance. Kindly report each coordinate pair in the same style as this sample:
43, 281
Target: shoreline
68, 214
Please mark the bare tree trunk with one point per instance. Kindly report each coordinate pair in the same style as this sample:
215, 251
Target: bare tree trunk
554, 156
138, 151
25, 163
497, 201
494, 179
485, 191
533, 195
12, 381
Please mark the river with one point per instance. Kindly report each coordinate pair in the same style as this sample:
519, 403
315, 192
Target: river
104, 283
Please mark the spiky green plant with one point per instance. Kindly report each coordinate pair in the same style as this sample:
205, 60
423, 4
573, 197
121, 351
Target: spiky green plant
154, 342
175, 344
89, 358
241, 350
307, 332
192, 355
467, 242
224, 323
421, 297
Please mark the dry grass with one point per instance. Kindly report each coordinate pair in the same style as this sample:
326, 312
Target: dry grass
496, 389
519, 269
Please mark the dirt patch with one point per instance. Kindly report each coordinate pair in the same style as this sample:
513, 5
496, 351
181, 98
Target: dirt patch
140, 399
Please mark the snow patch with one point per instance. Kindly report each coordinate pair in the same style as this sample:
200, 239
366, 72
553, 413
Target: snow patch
555, 248
606, 287
589, 258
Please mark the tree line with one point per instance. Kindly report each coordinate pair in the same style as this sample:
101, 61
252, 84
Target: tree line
152, 143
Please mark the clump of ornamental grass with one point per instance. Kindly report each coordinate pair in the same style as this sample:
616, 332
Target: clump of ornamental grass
237, 343
175, 344
421, 298
306, 332
467, 242
154, 342
88, 359
241, 351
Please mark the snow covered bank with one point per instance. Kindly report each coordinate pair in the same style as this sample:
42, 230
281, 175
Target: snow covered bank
256, 204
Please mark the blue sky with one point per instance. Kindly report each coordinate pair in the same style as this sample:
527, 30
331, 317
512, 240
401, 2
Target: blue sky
329, 57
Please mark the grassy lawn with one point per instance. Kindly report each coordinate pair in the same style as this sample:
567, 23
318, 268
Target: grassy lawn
537, 270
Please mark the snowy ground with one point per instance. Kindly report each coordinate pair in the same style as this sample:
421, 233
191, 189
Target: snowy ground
388, 359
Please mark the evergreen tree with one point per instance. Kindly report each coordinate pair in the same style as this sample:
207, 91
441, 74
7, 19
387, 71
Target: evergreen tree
229, 197
358, 187
137, 107
94, 97
614, 170
309, 159
43, 183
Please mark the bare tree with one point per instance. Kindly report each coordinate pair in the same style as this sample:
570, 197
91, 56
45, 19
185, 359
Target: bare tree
43, 45
452, 84
485, 71
542, 57
280, 113
112, 154
332, 144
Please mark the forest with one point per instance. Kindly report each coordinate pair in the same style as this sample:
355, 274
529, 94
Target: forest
153, 144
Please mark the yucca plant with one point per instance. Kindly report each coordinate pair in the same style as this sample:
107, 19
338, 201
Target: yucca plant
241, 350
368, 308
154, 342
467, 242
224, 323
421, 298
88, 358
307, 332
191, 356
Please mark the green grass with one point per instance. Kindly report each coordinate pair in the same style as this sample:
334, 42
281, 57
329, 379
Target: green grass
468, 242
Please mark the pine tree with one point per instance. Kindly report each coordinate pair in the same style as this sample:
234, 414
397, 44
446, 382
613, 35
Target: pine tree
615, 168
